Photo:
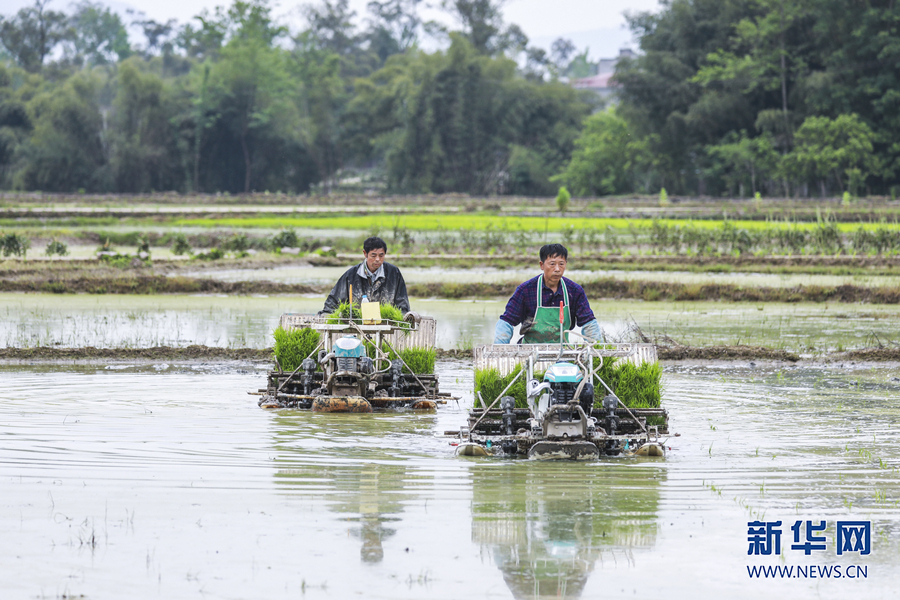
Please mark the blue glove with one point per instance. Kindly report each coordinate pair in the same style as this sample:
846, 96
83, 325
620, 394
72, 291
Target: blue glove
503, 332
593, 331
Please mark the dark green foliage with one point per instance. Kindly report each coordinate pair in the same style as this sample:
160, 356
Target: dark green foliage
238, 242
286, 238
211, 254
14, 244
54, 246
291, 347
180, 245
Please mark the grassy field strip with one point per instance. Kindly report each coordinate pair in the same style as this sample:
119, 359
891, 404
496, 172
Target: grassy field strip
239, 209
481, 221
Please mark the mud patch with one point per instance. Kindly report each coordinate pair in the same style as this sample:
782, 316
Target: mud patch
154, 353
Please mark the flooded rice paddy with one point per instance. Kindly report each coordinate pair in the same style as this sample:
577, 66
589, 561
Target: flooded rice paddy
167, 481
315, 275
28, 320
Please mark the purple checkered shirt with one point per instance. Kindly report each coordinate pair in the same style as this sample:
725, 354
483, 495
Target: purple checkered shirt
523, 302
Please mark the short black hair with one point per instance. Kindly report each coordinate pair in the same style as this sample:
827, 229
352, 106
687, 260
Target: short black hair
374, 243
554, 250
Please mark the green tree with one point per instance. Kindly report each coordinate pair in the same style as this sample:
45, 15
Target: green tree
832, 149
144, 155
99, 36
67, 148
33, 34
607, 159
251, 85
739, 159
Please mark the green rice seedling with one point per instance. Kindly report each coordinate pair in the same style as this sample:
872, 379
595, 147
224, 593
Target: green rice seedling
291, 347
342, 312
389, 312
419, 360
639, 387
636, 387
490, 384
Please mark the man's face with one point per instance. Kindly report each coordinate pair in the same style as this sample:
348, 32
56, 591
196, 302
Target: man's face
553, 269
375, 259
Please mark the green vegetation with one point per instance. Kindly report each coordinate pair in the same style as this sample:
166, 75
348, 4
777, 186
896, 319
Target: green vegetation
419, 360
562, 199
55, 247
636, 386
14, 244
291, 347
490, 383
180, 245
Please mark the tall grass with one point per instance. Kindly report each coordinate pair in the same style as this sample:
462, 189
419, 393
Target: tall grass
291, 347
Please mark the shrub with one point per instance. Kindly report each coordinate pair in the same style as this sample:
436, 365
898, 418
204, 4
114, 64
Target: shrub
286, 238
54, 246
238, 242
562, 199
14, 244
211, 254
180, 245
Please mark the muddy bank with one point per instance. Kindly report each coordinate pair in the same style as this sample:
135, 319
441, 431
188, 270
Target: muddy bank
666, 353
154, 353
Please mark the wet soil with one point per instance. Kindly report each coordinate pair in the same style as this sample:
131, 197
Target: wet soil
666, 353
129, 282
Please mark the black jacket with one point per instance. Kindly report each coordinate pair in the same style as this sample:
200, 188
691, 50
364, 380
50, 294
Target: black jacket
391, 289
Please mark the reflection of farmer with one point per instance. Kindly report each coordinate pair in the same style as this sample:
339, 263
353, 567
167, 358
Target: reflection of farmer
535, 304
380, 281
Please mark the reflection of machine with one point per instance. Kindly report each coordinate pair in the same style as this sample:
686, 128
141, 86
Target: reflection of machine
350, 371
548, 529
561, 420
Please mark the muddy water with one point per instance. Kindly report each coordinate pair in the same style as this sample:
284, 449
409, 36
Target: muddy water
28, 320
168, 481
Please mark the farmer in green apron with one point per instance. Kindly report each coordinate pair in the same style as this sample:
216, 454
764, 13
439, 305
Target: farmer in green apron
535, 305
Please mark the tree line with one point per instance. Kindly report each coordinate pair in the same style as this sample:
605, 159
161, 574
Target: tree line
738, 97
726, 97
237, 102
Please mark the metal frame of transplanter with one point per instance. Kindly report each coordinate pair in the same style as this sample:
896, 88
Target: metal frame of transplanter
518, 430
399, 336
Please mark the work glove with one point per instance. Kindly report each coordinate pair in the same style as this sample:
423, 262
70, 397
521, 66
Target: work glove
412, 317
503, 332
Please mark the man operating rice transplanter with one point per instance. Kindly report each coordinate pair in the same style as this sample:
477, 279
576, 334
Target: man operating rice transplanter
379, 281
535, 305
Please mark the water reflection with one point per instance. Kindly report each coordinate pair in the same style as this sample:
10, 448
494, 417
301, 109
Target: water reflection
547, 525
350, 462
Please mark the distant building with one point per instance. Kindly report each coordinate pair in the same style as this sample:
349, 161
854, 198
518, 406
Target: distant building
606, 68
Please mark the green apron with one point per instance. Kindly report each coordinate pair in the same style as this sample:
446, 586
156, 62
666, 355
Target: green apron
545, 329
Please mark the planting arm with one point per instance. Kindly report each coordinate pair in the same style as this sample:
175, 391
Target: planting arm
504, 331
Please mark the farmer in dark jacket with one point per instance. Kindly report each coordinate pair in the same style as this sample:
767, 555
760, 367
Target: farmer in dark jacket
379, 281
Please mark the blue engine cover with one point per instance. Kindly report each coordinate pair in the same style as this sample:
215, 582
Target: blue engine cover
563, 372
349, 346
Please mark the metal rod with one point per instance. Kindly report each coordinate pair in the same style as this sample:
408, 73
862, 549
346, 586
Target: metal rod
500, 395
